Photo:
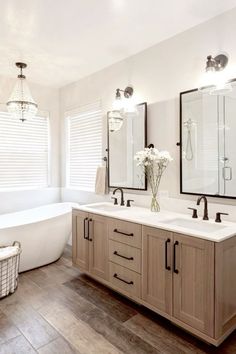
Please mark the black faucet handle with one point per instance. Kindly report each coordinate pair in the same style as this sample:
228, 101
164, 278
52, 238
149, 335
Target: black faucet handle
115, 200
218, 218
128, 202
194, 216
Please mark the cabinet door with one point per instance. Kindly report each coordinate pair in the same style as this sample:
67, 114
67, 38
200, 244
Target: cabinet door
80, 245
193, 263
98, 246
157, 270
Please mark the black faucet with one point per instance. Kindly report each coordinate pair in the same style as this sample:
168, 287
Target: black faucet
205, 216
122, 202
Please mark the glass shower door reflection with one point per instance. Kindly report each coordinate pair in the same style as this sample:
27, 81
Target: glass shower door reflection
227, 145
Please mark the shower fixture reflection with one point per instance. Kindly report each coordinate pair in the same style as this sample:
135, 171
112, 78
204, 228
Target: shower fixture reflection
188, 124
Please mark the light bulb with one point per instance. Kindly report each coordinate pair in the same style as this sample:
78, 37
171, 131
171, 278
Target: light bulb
208, 80
222, 85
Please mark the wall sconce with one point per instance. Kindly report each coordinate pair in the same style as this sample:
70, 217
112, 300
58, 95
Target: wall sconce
125, 104
214, 81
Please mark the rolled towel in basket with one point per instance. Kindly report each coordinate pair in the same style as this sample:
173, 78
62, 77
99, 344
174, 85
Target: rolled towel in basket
10, 251
8, 269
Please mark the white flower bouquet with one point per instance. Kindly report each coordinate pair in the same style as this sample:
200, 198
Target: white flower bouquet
153, 163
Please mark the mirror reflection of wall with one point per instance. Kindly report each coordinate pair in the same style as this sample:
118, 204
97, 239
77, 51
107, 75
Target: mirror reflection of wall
208, 128
123, 145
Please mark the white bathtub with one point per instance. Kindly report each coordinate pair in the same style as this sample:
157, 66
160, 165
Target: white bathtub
43, 233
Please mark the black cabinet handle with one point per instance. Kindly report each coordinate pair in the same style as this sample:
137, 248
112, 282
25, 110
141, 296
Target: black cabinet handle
124, 281
89, 221
175, 269
123, 233
166, 254
120, 255
85, 219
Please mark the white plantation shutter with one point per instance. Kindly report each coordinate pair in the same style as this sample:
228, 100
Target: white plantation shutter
24, 150
84, 146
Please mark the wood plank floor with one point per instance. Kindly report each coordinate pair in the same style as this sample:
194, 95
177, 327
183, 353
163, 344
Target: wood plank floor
58, 310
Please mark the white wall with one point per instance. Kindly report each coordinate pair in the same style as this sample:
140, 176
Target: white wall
158, 75
48, 100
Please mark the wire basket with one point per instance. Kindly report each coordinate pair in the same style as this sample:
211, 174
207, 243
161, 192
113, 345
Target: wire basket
9, 270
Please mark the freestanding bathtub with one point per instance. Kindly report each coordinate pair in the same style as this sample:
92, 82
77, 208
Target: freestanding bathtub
43, 233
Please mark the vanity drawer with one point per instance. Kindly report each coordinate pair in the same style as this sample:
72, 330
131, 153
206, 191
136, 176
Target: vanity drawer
126, 256
125, 279
125, 232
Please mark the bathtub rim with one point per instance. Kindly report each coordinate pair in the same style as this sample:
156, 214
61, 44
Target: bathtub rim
37, 218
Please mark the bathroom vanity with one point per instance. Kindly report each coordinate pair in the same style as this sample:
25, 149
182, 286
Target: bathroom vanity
181, 268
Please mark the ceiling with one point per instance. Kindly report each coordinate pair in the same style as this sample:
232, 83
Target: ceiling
63, 41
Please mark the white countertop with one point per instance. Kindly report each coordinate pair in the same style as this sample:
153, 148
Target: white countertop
219, 231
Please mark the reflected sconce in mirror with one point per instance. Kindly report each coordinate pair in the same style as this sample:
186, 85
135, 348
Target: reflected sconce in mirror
214, 80
115, 120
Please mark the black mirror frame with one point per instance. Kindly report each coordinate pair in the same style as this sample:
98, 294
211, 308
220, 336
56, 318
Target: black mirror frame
145, 143
181, 152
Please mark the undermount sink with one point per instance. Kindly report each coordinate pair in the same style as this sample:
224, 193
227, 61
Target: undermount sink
106, 207
197, 225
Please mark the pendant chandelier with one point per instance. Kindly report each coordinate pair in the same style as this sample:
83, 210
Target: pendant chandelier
21, 104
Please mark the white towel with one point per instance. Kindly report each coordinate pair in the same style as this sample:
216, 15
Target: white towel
101, 185
9, 251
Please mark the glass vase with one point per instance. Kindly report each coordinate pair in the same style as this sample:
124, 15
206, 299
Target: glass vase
155, 206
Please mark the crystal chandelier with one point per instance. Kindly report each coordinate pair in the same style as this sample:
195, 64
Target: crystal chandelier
21, 104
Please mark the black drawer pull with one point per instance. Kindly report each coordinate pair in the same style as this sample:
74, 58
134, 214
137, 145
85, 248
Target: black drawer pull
174, 261
123, 233
124, 281
85, 219
120, 255
166, 254
89, 238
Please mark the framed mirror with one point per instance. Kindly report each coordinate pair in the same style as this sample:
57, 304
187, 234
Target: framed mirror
126, 136
207, 143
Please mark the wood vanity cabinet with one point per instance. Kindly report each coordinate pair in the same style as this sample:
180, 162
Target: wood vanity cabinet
193, 282
157, 275
90, 243
189, 280
178, 277
80, 249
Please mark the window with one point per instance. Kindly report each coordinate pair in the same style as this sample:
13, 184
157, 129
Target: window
84, 146
24, 150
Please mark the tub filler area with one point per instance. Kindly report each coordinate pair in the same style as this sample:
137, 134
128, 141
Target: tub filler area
43, 233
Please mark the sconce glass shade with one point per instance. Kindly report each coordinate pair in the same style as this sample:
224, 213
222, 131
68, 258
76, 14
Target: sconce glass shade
117, 104
21, 104
115, 120
208, 81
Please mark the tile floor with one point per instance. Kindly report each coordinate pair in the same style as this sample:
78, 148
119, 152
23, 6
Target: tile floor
58, 310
